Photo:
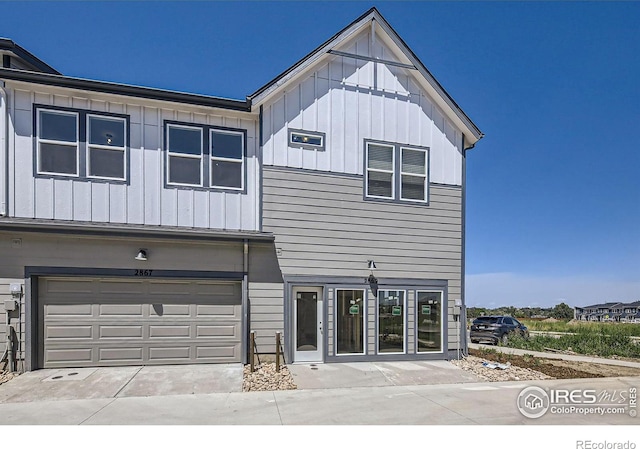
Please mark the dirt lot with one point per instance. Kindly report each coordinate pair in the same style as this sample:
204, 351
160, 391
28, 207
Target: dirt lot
559, 369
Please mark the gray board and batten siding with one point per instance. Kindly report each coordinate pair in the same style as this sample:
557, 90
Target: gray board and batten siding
324, 228
144, 199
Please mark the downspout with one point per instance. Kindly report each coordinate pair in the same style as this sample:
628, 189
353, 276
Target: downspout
463, 309
4, 151
245, 300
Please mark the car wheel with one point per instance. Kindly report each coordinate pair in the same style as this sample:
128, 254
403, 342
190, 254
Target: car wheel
504, 339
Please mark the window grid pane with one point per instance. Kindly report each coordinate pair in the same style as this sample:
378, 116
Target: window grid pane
350, 321
226, 173
106, 163
187, 141
414, 161
380, 184
185, 170
58, 126
413, 187
391, 313
105, 131
380, 157
227, 145
429, 321
58, 159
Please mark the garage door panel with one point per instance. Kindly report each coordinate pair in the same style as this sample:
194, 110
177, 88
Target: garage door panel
204, 331
119, 287
169, 353
170, 310
217, 310
68, 332
134, 331
67, 285
68, 310
217, 352
110, 326
127, 355
75, 355
169, 331
129, 310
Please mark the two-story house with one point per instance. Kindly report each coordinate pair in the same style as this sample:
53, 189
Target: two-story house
143, 226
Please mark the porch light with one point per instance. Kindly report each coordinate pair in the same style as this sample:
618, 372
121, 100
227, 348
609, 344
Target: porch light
142, 255
371, 265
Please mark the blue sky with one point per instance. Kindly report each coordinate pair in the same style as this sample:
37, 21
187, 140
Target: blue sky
553, 190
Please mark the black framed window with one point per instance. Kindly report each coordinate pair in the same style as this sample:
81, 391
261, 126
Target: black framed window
81, 144
205, 156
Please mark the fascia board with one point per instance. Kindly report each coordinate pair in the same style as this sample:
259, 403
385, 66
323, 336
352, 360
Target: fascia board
297, 70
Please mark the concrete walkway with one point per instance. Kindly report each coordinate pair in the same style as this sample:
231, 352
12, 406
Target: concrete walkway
551, 355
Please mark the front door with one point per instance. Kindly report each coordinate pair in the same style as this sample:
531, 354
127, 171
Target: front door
307, 322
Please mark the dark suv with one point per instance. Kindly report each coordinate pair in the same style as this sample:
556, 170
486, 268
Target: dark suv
496, 329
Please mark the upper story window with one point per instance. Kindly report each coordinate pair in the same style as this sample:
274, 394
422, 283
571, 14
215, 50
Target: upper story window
306, 139
81, 144
396, 172
204, 156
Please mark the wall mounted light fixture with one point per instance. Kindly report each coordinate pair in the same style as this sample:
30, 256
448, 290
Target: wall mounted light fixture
142, 255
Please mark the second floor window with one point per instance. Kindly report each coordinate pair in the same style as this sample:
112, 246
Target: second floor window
81, 144
396, 172
203, 156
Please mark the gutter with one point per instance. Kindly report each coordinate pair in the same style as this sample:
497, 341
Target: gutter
4, 151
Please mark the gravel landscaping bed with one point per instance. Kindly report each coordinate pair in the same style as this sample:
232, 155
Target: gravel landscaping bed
479, 367
266, 378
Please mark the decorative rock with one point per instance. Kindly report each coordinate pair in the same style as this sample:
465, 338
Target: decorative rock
266, 378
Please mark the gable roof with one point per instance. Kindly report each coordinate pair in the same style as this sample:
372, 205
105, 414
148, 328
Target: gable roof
372, 18
8, 47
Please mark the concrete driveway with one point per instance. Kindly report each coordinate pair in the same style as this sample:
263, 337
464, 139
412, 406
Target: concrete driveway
152, 381
121, 382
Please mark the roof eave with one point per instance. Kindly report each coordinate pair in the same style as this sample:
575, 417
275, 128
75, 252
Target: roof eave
124, 89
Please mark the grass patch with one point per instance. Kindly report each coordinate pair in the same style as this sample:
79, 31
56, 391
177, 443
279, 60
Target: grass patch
594, 341
629, 329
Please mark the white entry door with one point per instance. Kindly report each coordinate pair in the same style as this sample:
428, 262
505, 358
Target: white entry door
308, 331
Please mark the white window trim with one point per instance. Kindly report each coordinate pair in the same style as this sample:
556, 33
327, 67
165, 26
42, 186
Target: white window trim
392, 171
75, 144
425, 176
404, 323
319, 146
226, 159
183, 155
364, 319
442, 318
106, 147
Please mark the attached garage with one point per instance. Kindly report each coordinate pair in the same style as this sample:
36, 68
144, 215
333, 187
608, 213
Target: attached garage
110, 321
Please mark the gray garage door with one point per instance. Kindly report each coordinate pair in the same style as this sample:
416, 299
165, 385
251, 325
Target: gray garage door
135, 321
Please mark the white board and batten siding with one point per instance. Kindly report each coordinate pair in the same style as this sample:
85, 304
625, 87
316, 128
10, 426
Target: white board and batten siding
144, 200
352, 100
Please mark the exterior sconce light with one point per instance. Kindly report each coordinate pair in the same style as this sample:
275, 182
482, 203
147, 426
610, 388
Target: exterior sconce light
372, 280
142, 255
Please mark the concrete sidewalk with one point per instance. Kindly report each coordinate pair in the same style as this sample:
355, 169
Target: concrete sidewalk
552, 355
468, 403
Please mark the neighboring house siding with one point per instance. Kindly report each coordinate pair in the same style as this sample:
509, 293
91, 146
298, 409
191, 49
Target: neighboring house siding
324, 228
143, 199
351, 100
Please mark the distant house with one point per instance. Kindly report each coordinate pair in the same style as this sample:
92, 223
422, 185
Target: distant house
610, 312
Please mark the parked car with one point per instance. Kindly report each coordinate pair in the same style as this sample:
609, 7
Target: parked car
496, 329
